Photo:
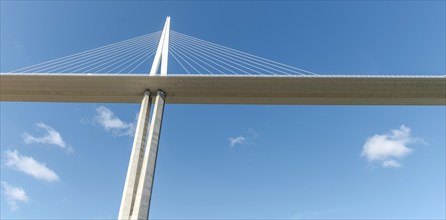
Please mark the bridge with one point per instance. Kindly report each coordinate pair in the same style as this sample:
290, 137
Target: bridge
214, 74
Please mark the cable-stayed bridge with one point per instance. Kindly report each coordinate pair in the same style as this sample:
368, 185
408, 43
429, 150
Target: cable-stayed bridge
186, 69
204, 72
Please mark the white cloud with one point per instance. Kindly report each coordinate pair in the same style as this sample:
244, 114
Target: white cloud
51, 137
13, 195
29, 166
107, 119
245, 139
391, 163
238, 140
387, 149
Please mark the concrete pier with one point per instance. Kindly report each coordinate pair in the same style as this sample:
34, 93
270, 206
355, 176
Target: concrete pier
145, 185
136, 158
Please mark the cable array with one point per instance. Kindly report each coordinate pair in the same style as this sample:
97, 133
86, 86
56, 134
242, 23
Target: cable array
197, 56
193, 55
121, 57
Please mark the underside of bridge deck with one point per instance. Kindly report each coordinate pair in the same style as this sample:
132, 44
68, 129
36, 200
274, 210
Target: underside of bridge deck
184, 89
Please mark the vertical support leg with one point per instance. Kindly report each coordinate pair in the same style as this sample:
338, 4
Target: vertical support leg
144, 192
136, 159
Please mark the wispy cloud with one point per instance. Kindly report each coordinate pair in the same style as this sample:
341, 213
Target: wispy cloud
13, 195
51, 136
29, 166
252, 133
391, 163
237, 140
244, 139
107, 119
388, 149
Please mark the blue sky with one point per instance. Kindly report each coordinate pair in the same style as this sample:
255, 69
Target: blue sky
69, 160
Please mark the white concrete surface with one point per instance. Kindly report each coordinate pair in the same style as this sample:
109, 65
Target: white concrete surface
136, 159
145, 186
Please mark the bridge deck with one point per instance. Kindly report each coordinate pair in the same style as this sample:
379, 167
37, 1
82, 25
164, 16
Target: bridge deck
333, 90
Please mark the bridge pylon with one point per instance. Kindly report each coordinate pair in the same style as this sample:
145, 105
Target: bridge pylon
135, 202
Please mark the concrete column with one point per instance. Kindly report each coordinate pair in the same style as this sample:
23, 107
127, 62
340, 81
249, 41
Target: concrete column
136, 159
144, 192
161, 55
